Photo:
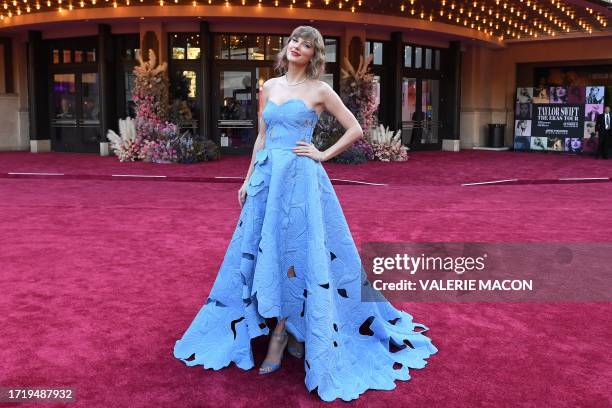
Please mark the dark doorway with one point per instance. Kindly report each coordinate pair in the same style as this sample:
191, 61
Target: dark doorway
75, 120
74, 95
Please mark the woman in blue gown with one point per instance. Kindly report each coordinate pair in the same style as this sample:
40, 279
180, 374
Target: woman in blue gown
292, 259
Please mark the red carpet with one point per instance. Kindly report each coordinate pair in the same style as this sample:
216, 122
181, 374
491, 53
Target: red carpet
99, 278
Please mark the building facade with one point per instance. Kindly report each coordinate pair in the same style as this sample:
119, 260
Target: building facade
441, 76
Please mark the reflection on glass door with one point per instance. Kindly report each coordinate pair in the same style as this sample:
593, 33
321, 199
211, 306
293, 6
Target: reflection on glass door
75, 112
411, 121
236, 110
88, 124
430, 98
63, 112
421, 120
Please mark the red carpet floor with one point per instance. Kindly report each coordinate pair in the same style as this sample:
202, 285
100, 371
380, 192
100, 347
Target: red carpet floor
100, 277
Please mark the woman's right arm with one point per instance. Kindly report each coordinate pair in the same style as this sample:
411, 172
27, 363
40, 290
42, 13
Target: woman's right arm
259, 144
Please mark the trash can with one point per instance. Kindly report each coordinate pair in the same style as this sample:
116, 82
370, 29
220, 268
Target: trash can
496, 134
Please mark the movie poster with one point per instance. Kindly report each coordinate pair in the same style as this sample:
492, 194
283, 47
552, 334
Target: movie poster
557, 118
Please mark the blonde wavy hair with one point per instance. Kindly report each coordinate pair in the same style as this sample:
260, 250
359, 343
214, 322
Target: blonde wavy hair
316, 65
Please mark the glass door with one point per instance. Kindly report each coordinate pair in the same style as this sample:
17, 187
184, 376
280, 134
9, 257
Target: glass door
63, 111
75, 112
430, 103
88, 119
421, 121
411, 120
235, 109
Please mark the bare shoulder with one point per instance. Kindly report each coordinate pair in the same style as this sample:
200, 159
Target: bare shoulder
268, 83
324, 88
268, 86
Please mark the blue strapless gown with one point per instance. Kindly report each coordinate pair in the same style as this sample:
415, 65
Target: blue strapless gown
292, 256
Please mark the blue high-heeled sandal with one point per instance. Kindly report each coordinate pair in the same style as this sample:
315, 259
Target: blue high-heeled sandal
294, 351
272, 367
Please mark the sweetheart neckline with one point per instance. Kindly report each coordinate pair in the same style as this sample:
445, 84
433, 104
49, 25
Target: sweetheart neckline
294, 99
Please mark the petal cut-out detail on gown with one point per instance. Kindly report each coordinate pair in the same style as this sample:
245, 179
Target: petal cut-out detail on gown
292, 220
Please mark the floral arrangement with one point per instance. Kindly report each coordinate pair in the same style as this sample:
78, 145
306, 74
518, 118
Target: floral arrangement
150, 137
357, 88
364, 146
124, 145
352, 155
190, 150
158, 151
357, 93
150, 93
388, 146
165, 145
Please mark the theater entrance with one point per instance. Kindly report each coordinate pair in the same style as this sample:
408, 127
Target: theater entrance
75, 112
421, 121
237, 105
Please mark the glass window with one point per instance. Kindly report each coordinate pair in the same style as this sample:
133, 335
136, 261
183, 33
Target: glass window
408, 56
190, 78
91, 55
56, 58
331, 46
185, 46
257, 47
274, 43
178, 53
378, 53
437, 63
238, 46
418, 57
221, 46
66, 56
260, 47
78, 56
193, 46
428, 58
